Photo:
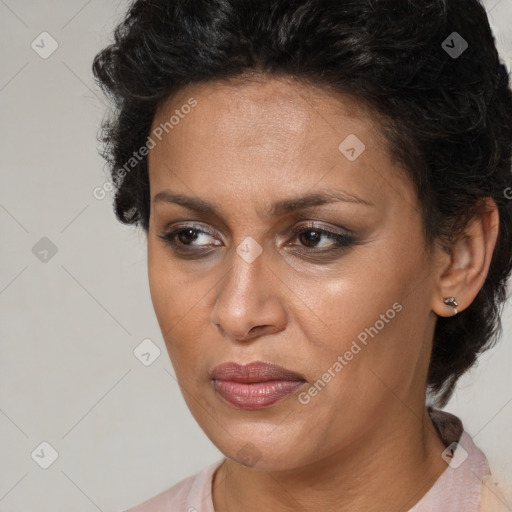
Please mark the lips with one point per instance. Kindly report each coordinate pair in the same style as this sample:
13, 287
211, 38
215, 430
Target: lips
255, 385
253, 372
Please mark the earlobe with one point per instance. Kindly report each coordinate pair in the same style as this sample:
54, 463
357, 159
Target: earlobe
451, 301
469, 262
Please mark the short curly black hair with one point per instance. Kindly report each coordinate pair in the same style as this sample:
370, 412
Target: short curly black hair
446, 109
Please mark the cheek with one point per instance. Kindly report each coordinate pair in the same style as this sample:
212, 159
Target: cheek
179, 300
354, 333
372, 320
169, 294
359, 364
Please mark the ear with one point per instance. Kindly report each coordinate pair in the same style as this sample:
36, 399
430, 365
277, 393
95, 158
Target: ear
464, 269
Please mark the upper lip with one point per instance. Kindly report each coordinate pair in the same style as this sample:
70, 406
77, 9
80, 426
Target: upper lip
257, 371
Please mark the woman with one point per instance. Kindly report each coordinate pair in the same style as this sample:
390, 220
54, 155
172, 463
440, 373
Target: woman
323, 186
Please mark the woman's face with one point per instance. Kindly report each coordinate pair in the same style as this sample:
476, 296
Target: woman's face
351, 315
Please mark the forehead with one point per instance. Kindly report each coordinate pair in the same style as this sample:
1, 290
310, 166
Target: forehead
280, 102
276, 134
260, 116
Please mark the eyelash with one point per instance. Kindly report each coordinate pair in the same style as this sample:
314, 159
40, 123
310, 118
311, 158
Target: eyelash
342, 240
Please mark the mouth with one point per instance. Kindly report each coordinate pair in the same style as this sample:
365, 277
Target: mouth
256, 385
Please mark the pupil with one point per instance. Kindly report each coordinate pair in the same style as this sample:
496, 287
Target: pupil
313, 239
188, 235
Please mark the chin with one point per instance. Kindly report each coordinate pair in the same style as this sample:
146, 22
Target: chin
262, 449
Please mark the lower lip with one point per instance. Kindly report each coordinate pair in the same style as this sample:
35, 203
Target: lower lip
256, 395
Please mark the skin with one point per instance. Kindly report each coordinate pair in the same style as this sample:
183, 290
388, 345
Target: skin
365, 441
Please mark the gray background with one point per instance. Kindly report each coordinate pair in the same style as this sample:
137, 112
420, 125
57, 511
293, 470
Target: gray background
69, 325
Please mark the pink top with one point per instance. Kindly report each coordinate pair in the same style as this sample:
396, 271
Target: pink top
466, 485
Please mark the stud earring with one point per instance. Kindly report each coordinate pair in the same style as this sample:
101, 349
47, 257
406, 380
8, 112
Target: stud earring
450, 301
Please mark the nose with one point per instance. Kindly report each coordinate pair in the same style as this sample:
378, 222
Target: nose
248, 304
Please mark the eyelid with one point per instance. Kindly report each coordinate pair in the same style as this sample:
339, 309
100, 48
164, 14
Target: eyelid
340, 237
342, 231
170, 233
190, 225
298, 229
339, 241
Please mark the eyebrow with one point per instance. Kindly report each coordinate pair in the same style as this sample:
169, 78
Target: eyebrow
279, 208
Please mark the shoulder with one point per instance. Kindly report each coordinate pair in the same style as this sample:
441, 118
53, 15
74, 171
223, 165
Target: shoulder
467, 484
492, 498
192, 494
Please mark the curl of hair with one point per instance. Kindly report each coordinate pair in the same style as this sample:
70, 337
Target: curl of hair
447, 121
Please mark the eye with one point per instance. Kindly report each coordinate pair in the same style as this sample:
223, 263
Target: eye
186, 237
312, 236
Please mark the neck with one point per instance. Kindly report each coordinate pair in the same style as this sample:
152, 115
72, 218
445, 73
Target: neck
391, 470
